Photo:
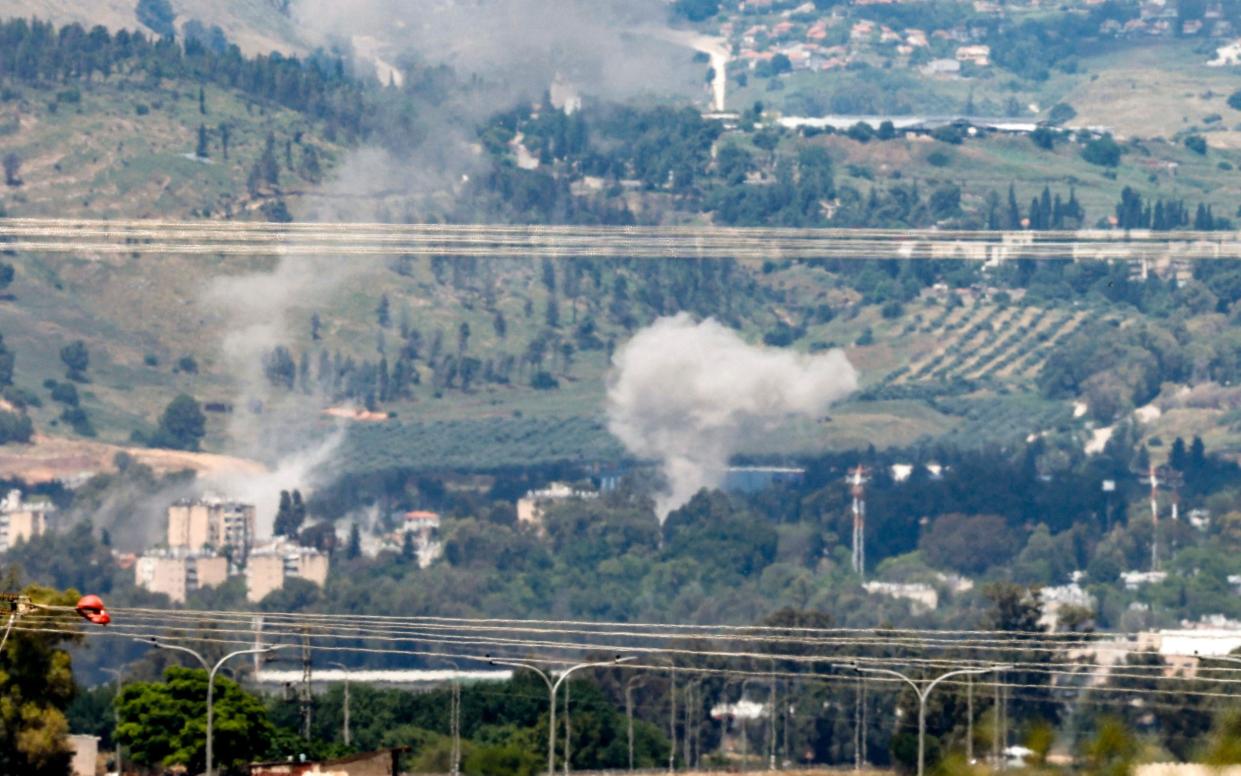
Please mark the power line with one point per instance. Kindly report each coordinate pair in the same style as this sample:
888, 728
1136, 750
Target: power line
636, 242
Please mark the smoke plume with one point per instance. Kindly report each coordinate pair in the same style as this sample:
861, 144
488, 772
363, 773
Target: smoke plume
687, 393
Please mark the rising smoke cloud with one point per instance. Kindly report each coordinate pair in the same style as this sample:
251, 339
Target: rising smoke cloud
515, 46
687, 393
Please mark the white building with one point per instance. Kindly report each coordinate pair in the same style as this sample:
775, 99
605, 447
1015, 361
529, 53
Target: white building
532, 506
271, 564
20, 520
922, 596
1058, 598
178, 572
211, 523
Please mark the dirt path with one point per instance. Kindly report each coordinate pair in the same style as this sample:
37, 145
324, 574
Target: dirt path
715, 48
57, 458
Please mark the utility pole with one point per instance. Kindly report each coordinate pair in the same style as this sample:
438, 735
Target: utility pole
996, 750
969, 720
922, 691
629, 685
672, 718
771, 722
116, 718
568, 733
345, 712
857, 487
306, 698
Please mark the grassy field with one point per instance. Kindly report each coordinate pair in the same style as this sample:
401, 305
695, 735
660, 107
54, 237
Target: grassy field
127, 148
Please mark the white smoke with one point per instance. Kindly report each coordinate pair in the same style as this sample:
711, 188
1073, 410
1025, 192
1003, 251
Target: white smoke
687, 393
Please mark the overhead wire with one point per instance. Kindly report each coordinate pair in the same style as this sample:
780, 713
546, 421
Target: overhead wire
132, 236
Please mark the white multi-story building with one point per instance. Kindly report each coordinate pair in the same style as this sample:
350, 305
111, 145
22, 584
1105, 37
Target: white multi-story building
269, 565
532, 506
178, 572
20, 520
198, 524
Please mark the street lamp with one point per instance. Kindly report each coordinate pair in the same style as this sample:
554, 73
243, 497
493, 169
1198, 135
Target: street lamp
552, 687
345, 669
116, 717
211, 672
923, 691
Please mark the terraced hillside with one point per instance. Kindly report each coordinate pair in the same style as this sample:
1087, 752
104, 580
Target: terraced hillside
984, 341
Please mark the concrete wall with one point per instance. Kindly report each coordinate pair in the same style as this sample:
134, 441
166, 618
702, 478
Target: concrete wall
85, 755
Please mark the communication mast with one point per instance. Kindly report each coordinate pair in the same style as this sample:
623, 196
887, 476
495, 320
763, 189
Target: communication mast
857, 487
1153, 477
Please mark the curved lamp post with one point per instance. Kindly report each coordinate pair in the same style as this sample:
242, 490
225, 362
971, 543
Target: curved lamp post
552, 688
211, 672
923, 690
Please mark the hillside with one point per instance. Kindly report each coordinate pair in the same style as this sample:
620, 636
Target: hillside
450, 367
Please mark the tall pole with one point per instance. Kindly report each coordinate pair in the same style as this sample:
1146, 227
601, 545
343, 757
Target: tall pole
923, 691
568, 732
771, 722
995, 730
211, 672
857, 489
345, 669
116, 719
672, 719
552, 687
969, 720
1154, 477
629, 712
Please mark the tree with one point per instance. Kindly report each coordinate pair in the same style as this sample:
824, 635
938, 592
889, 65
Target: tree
969, 544
1103, 151
315, 325
283, 525
164, 723
1234, 100
202, 151
1197, 144
202, 101
12, 169
36, 686
224, 138
6, 276
697, 10
158, 16
354, 547
7, 363
1061, 112
76, 359
182, 426
383, 313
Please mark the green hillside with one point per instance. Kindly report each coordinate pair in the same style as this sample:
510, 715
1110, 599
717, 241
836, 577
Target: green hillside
500, 363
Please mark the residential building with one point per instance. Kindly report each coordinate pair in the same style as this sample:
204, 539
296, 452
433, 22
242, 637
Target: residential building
198, 524
532, 507
21, 520
178, 572
422, 526
924, 597
979, 54
270, 565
